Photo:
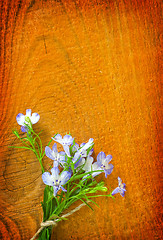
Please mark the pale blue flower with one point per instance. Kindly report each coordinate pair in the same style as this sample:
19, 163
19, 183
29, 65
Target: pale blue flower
55, 180
27, 119
82, 150
88, 144
95, 167
79, 163
88, 164
81, 153
66, 141
76, 147
90, 153
103, 163
55, 155
88, 167
120, 189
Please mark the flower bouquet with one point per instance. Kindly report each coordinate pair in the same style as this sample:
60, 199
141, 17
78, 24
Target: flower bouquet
72, 174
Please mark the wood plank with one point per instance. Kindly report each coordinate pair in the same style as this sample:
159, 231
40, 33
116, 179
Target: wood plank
90, 67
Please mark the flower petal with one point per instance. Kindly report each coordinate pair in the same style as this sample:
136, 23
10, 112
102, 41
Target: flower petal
88, 165
83, 152
63, 189
119, 181
64, 177
108, 158
76, 156
58, 138
55, 164
20, 118
47, 178
55, 171
24, 129
61, 157
67, 150
122, 192
49, 153
88, 144
123, 185
121, 188
96, 167
115, 191
91, 151
79, 163
68, 140
56, 189
35, 118
82, 144
75, 147
28, 112
54, 148
101, 157
108, 170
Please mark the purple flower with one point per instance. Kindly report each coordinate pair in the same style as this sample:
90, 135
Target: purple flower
55, 180
120, 189
27, 119
65, 142
54, 154
102, 162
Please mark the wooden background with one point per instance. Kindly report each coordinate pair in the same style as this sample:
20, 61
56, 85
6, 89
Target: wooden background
93, 68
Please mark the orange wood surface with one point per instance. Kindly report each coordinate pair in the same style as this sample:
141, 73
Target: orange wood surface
93, 68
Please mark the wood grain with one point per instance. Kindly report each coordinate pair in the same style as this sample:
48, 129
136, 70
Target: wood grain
93, 68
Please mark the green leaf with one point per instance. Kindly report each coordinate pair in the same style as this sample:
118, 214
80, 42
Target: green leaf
93, 202
20, 147
47, 233
74, 177
42, 235
74, 192
43, 208
87, 204
47, 203
16, 133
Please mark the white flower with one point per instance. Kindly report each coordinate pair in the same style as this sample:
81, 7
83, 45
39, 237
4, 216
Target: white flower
65, 142
54, 154
103, 163
28, 119
56, 180
120, 189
